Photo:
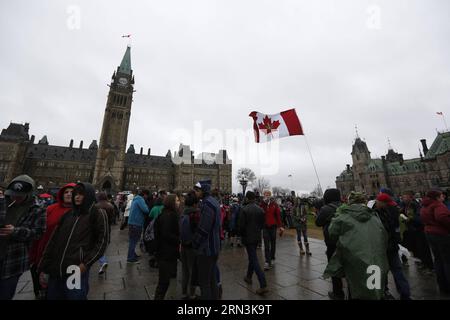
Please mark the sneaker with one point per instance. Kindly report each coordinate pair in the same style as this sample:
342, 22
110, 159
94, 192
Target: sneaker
134, 261
262, 291
103, 268
266, 266
248, 280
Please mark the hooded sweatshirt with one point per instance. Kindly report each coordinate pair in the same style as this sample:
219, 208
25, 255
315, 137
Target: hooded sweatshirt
80, 237
436, 217
54, 214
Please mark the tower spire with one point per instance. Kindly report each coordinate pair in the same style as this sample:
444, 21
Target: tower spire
357, 133
125, 65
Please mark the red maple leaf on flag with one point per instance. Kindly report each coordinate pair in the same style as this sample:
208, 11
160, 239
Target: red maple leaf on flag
267, 126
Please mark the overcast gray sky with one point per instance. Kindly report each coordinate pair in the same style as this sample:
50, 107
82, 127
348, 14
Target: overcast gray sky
383, 65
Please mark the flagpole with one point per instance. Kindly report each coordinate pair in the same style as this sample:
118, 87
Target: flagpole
314, 165
445, 122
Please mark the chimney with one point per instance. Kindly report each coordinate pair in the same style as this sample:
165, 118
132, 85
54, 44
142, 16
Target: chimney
148, 152
424, 146
348, 168
71, 143
81, 144
32, 139
142, 150
27, 127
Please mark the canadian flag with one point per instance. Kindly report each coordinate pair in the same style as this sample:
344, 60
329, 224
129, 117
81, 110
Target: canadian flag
269, 127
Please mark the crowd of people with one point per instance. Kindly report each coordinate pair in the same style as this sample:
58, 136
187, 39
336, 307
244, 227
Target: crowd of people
363, 235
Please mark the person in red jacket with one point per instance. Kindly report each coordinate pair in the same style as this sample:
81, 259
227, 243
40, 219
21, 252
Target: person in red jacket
54, 213
436, 217
272, 222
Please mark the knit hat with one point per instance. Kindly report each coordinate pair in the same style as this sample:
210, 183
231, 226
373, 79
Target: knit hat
384, 197
356, 197
331, 195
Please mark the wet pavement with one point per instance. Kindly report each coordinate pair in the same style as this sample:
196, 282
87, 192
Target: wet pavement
293, 277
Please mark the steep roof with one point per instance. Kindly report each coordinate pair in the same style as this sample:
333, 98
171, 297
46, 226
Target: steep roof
440, 145
46, 152
15, 131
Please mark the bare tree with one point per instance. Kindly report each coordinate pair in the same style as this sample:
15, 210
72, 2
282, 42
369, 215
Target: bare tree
279, 191
262, 184
246, 173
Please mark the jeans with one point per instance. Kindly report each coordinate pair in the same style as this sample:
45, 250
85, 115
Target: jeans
253, 265
270, 242
58, 290
402, 285
440, 245
8, 287
134, 236
337, 282
301, 229
188, 257
207, 277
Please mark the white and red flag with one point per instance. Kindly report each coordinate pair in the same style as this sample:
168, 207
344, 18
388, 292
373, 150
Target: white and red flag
269, 127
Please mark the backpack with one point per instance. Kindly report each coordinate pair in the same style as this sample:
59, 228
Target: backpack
149, 234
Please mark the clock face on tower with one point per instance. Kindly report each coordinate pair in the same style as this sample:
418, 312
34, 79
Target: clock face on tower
123, 81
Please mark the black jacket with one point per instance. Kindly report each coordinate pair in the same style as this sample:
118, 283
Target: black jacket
81, 236
167, 236
324, 217
390, 219
251, 223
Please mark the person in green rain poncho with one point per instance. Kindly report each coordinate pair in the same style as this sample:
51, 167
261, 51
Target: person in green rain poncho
360, 256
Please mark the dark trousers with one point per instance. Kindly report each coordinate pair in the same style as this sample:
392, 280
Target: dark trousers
270, 242
423, 250
416, 241
402, 285
441, 251
58, 289
37, 288
207, 280
167, 271
188, 257
124, 223
253, 265
337, 282
8, 287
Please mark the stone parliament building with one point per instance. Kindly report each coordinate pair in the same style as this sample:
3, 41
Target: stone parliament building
430, 170
109, 165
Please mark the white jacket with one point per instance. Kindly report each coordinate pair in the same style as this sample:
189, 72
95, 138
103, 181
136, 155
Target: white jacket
127, 208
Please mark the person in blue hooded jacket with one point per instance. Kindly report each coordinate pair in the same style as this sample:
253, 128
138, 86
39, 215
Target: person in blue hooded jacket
138, 211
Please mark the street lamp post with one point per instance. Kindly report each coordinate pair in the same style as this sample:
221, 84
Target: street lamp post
243, 183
